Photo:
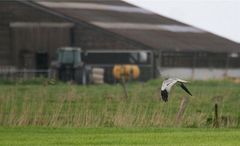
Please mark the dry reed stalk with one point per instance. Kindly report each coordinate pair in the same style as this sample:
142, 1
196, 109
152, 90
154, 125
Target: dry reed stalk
181, 110
12, 118
38, 118
156, 118
54, 120
118, 114
24, 117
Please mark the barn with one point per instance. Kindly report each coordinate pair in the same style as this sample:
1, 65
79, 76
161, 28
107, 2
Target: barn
32, 31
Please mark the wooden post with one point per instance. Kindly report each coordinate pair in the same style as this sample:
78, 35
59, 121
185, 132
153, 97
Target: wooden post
182, 108
217, 100
124, 86
216, 121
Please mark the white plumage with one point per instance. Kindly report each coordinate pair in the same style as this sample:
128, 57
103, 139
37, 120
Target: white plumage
167, 85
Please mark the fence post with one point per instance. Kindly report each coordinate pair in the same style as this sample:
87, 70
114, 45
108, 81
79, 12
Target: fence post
24, 74
216, 100
49, 73
216, 120
123, 83
182, 108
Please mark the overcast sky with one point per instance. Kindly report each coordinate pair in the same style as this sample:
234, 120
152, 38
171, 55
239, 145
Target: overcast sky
221, 17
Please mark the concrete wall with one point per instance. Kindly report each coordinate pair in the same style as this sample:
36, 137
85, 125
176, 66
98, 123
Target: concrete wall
199, 73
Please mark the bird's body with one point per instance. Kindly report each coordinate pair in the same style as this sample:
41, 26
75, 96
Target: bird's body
167, 85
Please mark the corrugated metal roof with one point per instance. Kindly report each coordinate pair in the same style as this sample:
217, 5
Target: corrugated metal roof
141, 25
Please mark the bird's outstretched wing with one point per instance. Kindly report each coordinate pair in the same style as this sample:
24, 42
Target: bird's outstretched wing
180, 80
185, 88
167, 84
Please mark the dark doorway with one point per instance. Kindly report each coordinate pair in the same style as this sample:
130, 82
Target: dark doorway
26, 59
42, 63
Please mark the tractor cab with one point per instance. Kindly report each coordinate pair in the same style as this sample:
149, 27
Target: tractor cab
69, 65
69, 57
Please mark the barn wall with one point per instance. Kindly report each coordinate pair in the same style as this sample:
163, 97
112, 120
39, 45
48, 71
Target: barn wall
200, 73
14, 40
200, 59
13, 11
5, 17
199, 65
94, 39
37, 40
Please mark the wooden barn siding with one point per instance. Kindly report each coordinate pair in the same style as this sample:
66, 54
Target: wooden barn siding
13, 11
4, 35
38, 40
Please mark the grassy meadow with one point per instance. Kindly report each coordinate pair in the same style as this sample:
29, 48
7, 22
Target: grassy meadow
118, 136
48, 104
48, 113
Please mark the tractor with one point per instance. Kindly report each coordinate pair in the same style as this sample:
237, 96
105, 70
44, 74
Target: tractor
69, 65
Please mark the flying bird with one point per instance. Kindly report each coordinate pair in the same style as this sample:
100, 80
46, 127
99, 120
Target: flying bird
167, 85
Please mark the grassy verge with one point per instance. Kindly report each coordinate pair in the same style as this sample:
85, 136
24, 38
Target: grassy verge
118, 136
64, 105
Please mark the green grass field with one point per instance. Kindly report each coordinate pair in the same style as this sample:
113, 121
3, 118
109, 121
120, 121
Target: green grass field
45, 113
64, 105
118, 136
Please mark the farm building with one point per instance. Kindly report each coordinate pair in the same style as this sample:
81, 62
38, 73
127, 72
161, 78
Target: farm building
32, 31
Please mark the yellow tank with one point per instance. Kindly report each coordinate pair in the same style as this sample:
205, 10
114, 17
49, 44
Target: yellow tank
127, 71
